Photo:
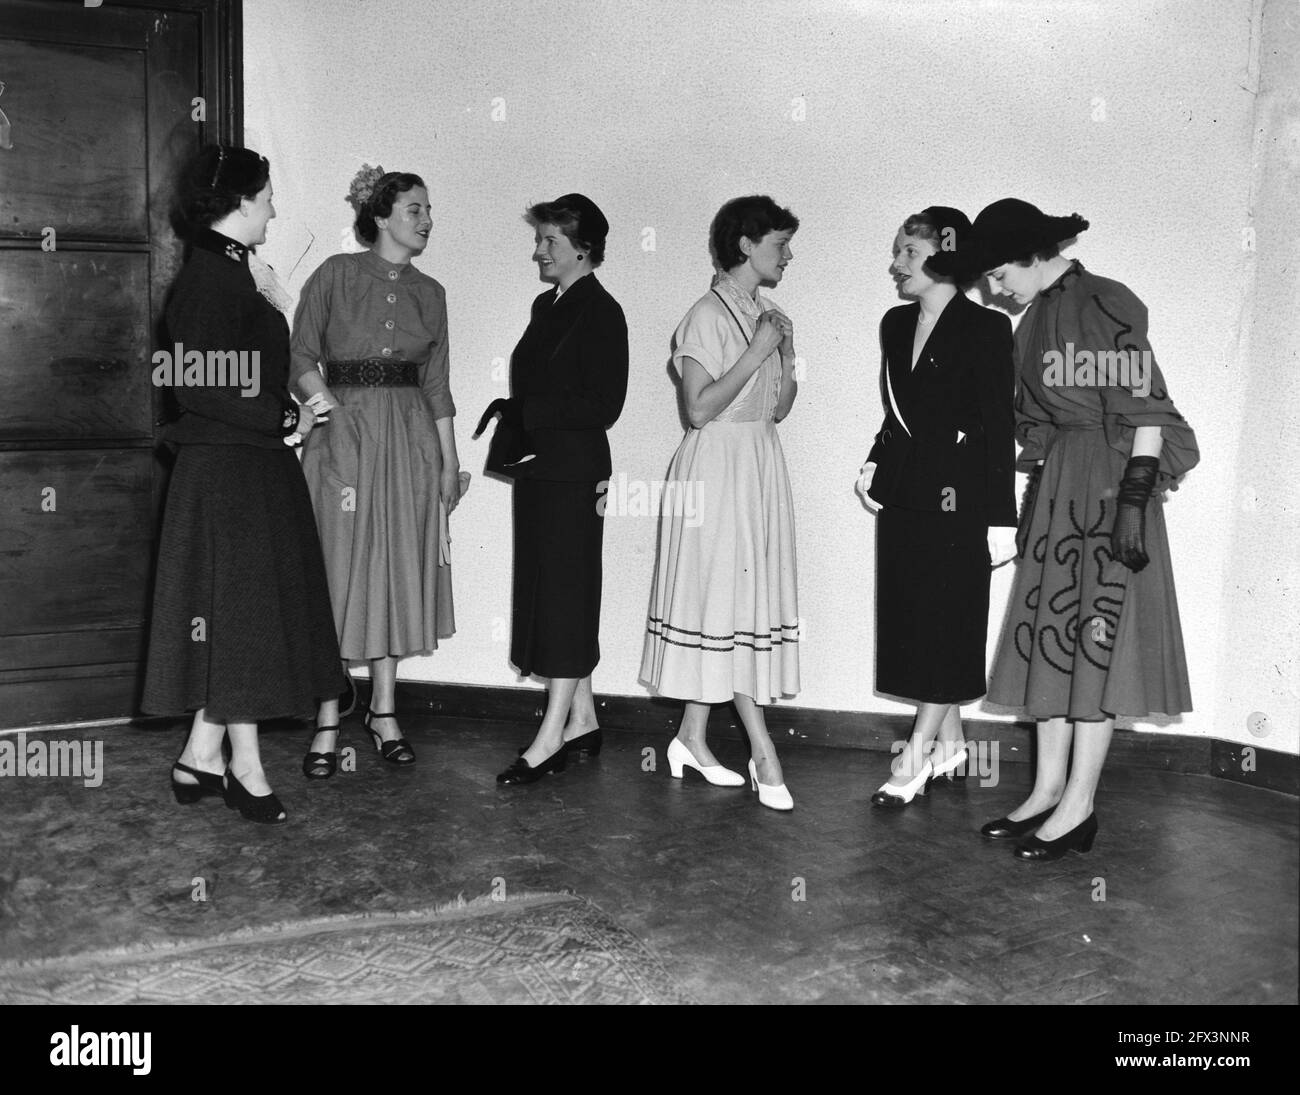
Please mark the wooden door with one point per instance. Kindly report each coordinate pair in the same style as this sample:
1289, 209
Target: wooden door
99, 104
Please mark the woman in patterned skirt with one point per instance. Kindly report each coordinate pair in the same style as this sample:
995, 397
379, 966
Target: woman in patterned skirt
724, 618
1093, 629
383, 474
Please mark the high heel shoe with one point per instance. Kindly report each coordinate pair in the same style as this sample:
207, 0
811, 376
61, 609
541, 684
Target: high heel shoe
395, 752
948, 769
588, 744
321, 765
895, 798
776, 798
348, 697
209, 783
1003, 828
523, 772
1079, 839
263, 808
680, 757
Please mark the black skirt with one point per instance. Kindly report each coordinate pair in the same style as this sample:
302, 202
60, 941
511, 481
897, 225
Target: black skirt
558, 533
932, 605
241, 620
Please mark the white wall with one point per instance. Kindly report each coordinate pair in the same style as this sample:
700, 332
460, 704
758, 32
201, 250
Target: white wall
1139, 115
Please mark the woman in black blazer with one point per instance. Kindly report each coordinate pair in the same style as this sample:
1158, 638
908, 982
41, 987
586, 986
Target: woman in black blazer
568, 380
942, 472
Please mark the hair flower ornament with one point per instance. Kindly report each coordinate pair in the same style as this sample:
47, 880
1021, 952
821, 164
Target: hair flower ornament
363, 185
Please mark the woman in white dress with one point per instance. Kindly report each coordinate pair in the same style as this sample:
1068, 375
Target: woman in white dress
724, 620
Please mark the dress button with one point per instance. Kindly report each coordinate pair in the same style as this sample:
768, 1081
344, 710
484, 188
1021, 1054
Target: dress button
387, 351
392, 275
388, 323
392, 298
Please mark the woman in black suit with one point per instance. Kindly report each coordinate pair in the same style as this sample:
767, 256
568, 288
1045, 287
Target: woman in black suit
942, 472
568, 380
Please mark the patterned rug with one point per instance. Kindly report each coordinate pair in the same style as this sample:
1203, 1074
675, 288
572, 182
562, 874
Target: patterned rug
538, 949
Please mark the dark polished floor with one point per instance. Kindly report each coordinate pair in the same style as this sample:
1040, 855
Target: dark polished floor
1189, 895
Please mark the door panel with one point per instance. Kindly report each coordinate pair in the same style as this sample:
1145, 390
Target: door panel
75, 345
75, 544
77, 160
101, 107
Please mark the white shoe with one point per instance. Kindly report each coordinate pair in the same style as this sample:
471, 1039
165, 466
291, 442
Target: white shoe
680, 757
951, 764
893, 797
778, 798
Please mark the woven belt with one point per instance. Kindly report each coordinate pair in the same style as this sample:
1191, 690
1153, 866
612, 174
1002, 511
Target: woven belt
373, 372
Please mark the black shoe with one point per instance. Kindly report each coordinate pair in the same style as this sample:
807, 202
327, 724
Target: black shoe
587, 744
1003, 828
188, 793
395, 752
321, 765
263, 808
348, 697
1079, 838
522, 772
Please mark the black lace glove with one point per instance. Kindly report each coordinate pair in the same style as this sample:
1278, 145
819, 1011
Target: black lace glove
1128, 538
1027, 510
512, 414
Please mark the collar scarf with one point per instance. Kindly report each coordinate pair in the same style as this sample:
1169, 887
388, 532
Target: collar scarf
263, 276
736, 296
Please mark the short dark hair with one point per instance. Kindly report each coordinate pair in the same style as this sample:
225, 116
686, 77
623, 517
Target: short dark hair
381, 201
751, 217
1042, 254
215, 181
568, 221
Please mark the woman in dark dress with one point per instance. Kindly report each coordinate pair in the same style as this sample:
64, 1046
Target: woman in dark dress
568, 380
942, 472
1093, 630
241, 628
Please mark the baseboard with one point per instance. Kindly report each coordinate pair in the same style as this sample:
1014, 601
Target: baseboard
1257, 767
1180, 753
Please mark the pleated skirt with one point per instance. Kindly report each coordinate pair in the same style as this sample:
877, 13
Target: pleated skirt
373, 472
240, 623
724, 612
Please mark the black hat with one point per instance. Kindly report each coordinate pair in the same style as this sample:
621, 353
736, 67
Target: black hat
592, 225
1006, 231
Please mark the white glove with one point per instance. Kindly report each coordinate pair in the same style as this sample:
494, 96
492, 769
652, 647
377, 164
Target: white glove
321, 407
864, 484
1002, 544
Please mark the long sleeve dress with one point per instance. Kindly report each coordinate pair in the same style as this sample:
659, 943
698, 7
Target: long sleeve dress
1086, 638
379, 329
239, 624
568, 375
724, 612
945, 473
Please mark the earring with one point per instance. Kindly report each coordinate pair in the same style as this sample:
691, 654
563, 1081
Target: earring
581, 257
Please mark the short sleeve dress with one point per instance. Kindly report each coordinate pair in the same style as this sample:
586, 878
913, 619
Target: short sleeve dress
379, 331
239, 625
724, 613
1086, 638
